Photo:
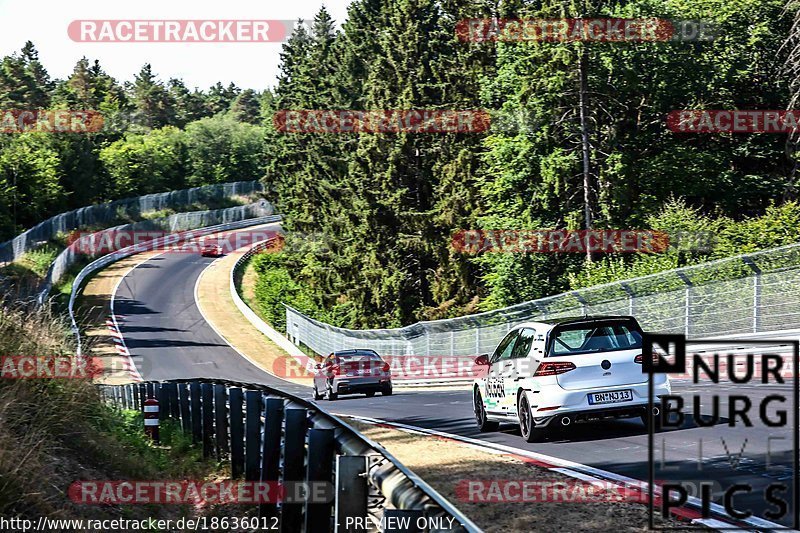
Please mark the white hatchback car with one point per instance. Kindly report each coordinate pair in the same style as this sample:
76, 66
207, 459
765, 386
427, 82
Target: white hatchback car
564, 371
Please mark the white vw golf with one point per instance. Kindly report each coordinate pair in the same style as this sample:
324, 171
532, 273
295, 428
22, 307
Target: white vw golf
563, 371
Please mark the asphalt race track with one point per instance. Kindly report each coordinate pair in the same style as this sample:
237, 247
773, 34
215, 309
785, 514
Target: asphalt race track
169, 339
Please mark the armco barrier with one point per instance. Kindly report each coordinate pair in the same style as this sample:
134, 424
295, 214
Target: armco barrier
268, 435
106, 260
746, 295
259, 324
103, 213
174, 223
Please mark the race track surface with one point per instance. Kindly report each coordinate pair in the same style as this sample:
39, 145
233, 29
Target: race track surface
168, 338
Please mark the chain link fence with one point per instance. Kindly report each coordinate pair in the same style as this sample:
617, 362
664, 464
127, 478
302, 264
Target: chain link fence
742, 295
105, 214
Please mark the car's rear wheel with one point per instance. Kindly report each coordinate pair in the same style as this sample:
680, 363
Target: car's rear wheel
526, 424
330, 395
386, 390
484, 424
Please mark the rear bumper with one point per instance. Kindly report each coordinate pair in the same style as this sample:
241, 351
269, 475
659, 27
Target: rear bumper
347, 386
627, 411
575, 403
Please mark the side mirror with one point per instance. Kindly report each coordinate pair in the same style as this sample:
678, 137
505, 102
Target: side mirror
482, 360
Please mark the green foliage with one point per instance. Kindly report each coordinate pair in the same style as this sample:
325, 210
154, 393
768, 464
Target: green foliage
276, 286
221, 149
146, 163
389, 203
141, 148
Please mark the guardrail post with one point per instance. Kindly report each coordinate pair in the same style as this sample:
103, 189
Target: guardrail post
294, 455
142, 395
150, 389
174, 406
756, 293
252, 439
197, 414
163, 399
271, 451
351, 491
221, 419
631, 297
186, 419
137, 404
687, 303
235, 399
320, 464
207, 393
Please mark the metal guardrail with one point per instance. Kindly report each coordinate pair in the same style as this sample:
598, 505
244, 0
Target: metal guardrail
742, 295
173, 223
268, 435
282, 342
103, 213
173, 238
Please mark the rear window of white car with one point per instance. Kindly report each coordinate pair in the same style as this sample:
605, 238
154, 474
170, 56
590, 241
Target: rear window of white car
588, 338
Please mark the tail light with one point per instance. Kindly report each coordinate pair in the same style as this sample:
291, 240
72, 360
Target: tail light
335, 370
639, 358
385, 367
553, 369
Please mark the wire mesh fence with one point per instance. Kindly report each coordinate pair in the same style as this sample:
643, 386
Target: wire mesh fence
106, 214
742, 295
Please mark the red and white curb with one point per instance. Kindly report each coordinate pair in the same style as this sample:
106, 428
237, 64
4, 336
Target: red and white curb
583, 473
127, 361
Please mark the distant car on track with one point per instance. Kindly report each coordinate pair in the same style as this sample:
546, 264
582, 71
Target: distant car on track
211, 249
564, 371
352, 372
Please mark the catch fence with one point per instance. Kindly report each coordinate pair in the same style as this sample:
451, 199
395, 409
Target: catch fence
744, 295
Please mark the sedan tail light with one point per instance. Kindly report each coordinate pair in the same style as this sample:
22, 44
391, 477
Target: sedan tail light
386, 367
553, 369
639, 358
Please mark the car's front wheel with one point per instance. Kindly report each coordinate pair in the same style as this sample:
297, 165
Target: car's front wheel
370, 394
526, 424
484, 425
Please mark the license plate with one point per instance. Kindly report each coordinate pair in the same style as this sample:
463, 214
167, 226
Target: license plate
617, 396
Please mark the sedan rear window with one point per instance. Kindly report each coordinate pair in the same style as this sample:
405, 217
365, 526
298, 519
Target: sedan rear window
358, 357
575, 339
